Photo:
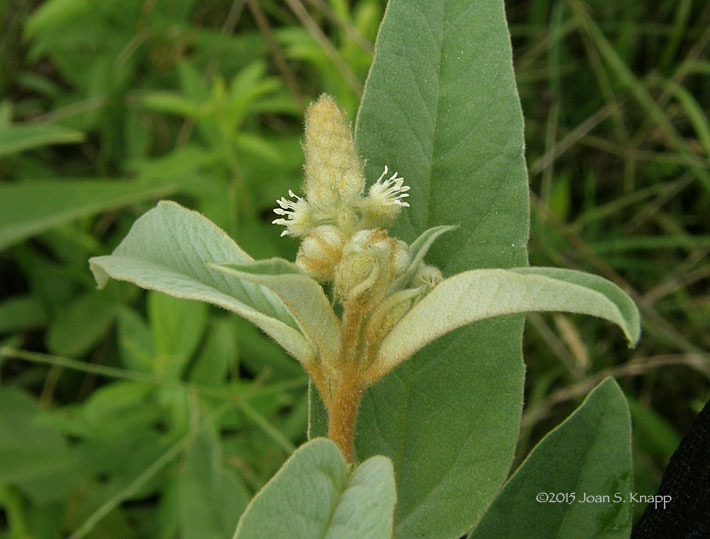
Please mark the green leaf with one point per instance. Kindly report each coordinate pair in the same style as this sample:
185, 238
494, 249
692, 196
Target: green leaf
302, 295
27, 209
441, 108
31, 450
19, 313
80, 325
17, 138
589, 455
210, 497
117, 411
25, 462
192, 82
166, 250
313, 495
478, 294
258, 146
135, 341
171, 103
54, 13
629, 319
219, 354
177, 328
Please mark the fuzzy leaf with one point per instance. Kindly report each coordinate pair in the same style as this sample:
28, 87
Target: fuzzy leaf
627, 308
302, 295
478, 294
166, 250
313, 495
587, 455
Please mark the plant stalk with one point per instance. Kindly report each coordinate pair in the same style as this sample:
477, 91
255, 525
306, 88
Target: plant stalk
343, 412
349, 384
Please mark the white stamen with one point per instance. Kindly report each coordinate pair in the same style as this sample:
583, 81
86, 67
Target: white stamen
294, 213
391, 191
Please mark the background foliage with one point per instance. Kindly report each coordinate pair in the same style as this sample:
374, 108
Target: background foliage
125, 414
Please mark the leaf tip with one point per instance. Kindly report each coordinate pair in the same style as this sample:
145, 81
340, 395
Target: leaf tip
633, 333
100, 275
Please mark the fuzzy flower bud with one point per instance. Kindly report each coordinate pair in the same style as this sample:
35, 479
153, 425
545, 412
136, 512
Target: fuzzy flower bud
320, 252
371, 261
334, 171
428, 276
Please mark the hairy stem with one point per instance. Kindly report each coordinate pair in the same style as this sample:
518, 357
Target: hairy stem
347, 385
343, 411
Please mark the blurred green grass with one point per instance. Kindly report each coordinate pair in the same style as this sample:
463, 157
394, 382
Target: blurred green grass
128, 401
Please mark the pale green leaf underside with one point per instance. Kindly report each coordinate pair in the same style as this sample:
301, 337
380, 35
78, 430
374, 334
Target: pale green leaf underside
589, 454
478, 294
167, 249
27, 209
314, 496
303, 296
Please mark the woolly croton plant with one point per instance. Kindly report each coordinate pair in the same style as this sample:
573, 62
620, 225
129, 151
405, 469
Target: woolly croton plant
357, 302
368, 295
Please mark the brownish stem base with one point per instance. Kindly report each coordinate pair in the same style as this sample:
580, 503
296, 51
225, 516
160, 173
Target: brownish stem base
343, 413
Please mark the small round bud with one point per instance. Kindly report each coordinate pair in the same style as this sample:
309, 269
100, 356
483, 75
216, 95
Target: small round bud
366, 239
375, 241
359, 267
355, 275
321, 251
428, 276
371, 261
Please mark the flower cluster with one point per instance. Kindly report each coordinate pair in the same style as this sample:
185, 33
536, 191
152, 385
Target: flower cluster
335, 181
342, 226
